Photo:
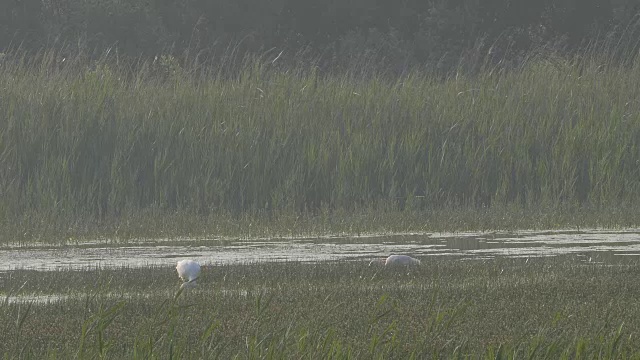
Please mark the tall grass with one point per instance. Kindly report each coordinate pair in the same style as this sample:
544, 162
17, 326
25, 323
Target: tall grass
503, 308
104, 140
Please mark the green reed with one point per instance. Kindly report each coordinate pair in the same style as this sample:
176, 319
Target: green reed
506, 308
99, 141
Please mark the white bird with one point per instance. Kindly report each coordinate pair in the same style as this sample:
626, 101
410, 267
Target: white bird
188, 271
396, 260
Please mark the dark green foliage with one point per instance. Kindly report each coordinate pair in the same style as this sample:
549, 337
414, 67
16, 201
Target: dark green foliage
388, 34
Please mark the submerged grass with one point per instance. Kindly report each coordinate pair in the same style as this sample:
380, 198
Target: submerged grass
507, 308
86, 146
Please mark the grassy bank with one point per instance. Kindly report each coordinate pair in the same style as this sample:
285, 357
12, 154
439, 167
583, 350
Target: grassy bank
537, 308
148, 225
97, 143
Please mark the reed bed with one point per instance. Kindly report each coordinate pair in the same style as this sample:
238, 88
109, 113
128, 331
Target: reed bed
507, 308
86, 143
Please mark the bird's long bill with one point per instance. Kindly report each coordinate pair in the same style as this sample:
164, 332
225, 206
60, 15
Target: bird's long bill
192, 280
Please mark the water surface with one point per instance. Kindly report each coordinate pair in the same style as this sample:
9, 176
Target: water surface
602, 244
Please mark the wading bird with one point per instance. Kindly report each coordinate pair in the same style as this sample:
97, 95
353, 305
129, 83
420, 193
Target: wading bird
395, 260
188, 270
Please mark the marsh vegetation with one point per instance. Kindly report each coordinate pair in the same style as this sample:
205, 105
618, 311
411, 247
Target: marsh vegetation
114, 149
153, 122
511, 308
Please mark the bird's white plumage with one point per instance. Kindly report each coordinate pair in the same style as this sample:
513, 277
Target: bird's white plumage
401, 260
395, 260
189, 271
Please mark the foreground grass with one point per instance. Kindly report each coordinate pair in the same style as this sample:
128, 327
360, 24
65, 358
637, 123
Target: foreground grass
536, 308
85, 143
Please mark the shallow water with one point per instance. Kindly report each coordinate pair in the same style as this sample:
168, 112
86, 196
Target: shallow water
605, 245
43, 299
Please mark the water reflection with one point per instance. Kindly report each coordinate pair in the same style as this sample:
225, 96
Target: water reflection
607, 245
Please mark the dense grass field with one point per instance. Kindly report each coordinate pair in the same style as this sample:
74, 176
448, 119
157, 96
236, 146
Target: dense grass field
116, 149
502, 308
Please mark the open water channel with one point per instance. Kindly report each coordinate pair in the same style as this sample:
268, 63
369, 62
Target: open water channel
603, 245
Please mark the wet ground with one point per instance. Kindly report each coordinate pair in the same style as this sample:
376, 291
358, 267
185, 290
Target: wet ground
605, 245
